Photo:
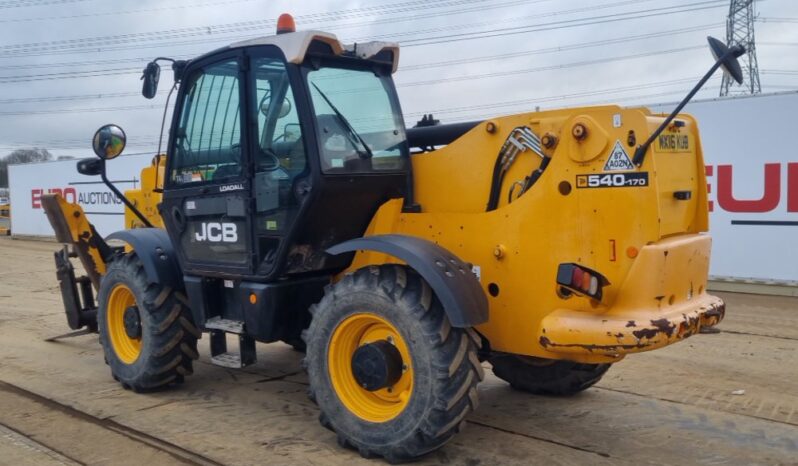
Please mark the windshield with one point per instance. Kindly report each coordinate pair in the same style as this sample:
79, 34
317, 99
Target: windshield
358, 121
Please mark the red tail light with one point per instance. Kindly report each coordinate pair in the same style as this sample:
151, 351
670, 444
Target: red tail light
581, 280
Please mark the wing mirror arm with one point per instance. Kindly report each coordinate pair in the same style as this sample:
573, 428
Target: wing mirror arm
108, 143
725, 57
121, 196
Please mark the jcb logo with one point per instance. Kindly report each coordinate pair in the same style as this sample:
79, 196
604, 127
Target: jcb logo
217, 232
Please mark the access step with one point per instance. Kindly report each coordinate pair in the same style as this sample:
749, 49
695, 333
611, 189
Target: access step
225, 325
246, 354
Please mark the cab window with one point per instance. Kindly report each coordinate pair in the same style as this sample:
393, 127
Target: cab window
208, 139
278, 154
280, 142
358, 122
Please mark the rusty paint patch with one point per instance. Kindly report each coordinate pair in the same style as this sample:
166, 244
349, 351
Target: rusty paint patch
647, 333
664, 325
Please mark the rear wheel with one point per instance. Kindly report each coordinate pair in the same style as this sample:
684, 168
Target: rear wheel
547, 377
391, 376
145, 330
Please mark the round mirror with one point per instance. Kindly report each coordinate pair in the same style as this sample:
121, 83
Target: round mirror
285, 109
265, 103
109, 141
728, 57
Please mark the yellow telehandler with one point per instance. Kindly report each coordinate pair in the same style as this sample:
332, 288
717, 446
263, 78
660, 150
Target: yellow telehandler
293, 205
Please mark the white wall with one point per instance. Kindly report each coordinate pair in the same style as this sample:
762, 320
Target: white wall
29, 181
742, 136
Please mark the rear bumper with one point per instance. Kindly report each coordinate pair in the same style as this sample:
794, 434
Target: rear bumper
574, 332
663, 300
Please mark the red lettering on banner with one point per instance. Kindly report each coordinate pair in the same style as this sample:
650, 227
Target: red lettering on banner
769, 200
708, 171
792, 187
36, 198
69, 194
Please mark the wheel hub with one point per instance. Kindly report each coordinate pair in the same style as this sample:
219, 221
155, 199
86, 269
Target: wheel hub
132, 322
377, 365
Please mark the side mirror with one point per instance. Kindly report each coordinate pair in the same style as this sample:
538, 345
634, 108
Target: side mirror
109, 141
150, 76
90, 166
265, 103
285, 109
728, 61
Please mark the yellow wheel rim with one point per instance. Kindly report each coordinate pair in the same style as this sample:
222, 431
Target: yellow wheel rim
380, 405
127, 349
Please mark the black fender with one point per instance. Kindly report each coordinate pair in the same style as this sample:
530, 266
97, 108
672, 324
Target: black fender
450, 278
155, 250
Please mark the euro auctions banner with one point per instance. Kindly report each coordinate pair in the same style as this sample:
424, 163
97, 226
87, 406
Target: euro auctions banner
29, 182
752, 175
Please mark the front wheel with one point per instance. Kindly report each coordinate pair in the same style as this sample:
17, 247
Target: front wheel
145, 330
546, 377
391, 376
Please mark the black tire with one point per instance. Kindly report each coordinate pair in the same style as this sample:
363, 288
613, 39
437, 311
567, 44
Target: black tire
542, 377
445, 366
168, 342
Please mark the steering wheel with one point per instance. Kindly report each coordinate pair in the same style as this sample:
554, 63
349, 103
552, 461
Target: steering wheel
272, 164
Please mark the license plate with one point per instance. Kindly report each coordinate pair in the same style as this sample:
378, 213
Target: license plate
673, 142
613, 180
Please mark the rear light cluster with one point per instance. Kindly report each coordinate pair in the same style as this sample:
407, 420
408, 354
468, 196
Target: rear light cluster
582, 280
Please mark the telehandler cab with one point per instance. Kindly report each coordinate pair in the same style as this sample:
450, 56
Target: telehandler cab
293, 204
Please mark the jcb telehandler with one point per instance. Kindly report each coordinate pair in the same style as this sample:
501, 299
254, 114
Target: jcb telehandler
293, 204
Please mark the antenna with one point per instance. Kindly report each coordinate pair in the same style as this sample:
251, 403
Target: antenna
740, 30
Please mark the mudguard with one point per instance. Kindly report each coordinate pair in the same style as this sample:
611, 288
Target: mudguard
156, 252
450, 278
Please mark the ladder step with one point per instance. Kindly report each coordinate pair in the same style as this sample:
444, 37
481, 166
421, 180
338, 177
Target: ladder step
230, 360
246, 355
225, 325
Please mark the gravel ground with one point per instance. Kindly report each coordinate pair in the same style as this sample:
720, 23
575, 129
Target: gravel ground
677, 405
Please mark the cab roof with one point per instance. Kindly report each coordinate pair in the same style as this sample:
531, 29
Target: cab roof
295, 46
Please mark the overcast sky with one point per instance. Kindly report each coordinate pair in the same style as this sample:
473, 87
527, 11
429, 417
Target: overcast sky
69, 66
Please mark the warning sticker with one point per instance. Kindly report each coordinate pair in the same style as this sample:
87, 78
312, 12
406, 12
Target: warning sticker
618, 160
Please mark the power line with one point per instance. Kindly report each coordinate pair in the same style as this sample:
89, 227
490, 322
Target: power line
781, 72
123, 71
414, 67
516, 19
614, 100
30, 3
765, 19
117, 13
117, 42
67, 75
411, 84
228, 27
78, 110
500, 32
561, 48
548, 68
538, 100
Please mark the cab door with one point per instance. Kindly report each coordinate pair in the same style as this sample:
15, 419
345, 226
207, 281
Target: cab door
282, 178
207, 197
